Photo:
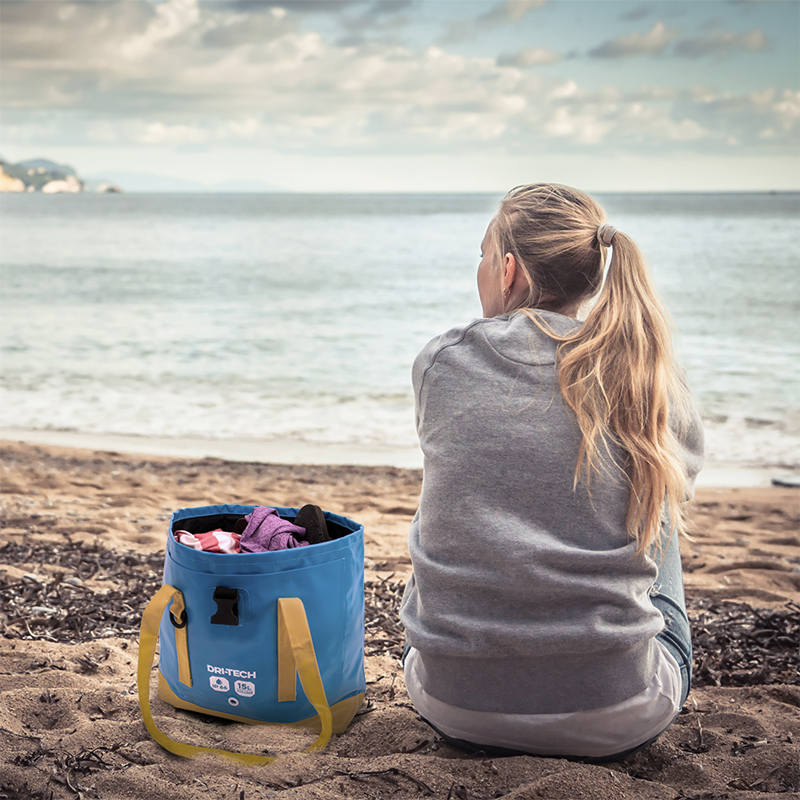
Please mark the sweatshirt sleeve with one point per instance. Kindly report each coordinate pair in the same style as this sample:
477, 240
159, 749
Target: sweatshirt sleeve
425, 360
688, 430
421, 364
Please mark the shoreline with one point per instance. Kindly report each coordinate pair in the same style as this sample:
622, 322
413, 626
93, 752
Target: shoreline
292, 451
273, 451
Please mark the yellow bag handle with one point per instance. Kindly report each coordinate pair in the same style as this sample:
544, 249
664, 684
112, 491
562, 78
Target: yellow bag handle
295, 656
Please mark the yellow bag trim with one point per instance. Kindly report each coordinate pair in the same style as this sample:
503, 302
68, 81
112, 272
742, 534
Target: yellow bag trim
342, 712
177, 609
287, 669
294, 634
296, 654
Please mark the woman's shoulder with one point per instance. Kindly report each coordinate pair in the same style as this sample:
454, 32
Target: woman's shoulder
514, 336
451, 338
428, 355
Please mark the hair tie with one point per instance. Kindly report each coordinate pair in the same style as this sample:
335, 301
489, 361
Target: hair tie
605, 234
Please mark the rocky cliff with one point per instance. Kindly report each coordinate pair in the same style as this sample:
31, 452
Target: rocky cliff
42, 175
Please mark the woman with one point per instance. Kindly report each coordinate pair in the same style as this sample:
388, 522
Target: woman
546, 611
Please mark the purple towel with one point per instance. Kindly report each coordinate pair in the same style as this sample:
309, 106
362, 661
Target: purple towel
267, 531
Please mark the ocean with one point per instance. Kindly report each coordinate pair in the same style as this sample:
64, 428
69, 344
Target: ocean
283, 327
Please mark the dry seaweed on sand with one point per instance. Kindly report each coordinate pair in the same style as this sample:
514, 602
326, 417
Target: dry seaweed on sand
738, 645
68, 769
383, 631
89, 592
59, 605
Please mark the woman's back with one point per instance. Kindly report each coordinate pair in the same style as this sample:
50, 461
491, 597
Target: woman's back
536, 618
527, 596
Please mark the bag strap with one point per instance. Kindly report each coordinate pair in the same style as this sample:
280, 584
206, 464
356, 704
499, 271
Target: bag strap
295, 656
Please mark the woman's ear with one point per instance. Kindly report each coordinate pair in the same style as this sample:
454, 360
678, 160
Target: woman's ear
509, 272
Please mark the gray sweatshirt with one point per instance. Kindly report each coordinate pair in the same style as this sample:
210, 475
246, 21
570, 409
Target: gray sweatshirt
526, 597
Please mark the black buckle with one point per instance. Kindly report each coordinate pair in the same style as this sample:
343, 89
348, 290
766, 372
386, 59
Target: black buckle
227, 601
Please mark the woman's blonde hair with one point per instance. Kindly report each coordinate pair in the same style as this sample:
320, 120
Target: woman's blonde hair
617, 372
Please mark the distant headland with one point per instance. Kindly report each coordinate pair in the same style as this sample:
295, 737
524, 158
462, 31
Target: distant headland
42, 175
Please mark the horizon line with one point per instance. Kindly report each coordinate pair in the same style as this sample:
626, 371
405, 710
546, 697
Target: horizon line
365, 192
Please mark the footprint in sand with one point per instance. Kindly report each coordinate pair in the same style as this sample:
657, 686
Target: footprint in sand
41, 710
791, 541
748, 564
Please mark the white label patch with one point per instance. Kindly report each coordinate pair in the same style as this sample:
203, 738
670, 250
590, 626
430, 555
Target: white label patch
244, 688
219, 684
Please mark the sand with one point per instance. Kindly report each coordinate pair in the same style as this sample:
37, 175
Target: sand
80, 524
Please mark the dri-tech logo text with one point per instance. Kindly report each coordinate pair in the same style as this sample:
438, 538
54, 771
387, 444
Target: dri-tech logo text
235, 673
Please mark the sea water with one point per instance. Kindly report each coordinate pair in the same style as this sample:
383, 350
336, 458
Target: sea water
284, 326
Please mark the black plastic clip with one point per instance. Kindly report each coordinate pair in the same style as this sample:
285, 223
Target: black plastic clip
227, 601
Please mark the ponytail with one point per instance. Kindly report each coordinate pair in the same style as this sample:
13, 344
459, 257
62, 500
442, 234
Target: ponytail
618, 374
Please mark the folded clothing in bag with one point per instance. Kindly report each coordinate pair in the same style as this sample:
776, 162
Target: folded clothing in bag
216, 541
262, 530
267, 530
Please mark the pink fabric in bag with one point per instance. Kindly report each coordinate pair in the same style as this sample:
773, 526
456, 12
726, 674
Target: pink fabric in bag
217, 541
267, 531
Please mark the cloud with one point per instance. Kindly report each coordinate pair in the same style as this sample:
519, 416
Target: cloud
381, 22
722, 43
640, 117
532, 57
657, 40
564, 90
786, 117
34, 31
260, 80
636, 13
294, 6
181, 134
618, 120
787, 109
171, 19
359, 19
196, 78
569, 118
505, 13
745, 116
381, 8
653, 42
509, 11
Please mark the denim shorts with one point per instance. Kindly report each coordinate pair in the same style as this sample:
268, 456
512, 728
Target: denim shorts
667, 595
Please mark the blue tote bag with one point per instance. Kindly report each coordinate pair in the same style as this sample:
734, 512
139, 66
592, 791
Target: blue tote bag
275, 637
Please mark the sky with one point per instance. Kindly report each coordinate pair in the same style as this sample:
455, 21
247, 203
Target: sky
406, 95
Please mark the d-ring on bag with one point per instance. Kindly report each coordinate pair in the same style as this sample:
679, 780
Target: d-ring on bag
237, 630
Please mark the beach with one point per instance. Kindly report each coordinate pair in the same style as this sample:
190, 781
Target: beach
83, 526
